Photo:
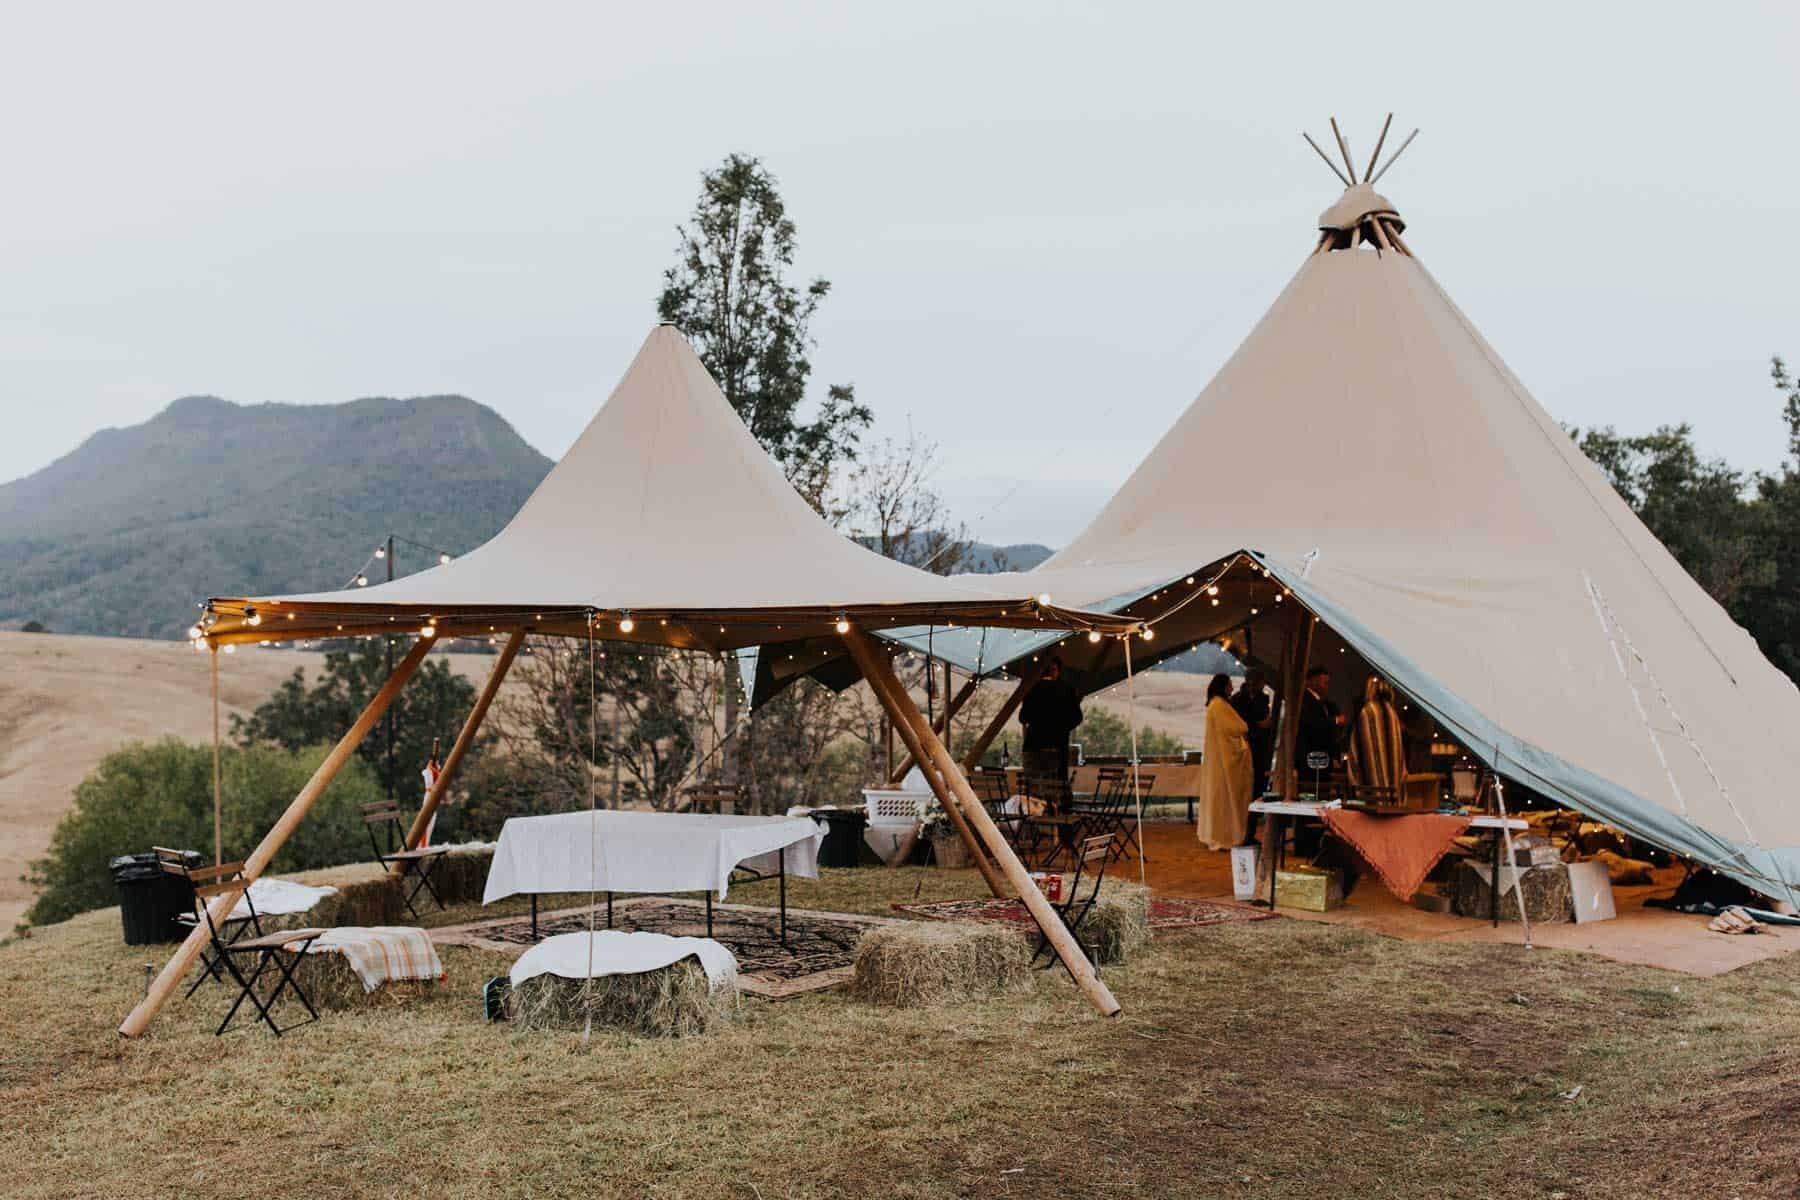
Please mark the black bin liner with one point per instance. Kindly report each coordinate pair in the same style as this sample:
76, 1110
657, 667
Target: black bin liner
843, 837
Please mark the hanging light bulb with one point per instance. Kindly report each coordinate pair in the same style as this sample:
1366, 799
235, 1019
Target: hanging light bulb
1093, 635
381, 552
198, 644
1190, 581
1149, 634
1215, 602
428, 630
626, 624
443, 560
194, 632
1043, 597
231, 649
843, 623
1213, 590
362, 581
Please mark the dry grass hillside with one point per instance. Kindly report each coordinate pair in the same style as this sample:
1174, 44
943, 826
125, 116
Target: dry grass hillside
67, 702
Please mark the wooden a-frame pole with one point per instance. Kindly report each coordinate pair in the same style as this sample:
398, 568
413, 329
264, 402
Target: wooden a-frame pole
1027, 678
889, 691
416, 836
165, 983
880, 672
942, 726
218, 775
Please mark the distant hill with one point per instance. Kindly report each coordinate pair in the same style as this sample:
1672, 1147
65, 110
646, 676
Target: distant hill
122, 535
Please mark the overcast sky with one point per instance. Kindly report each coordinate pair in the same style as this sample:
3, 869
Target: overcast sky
1045, 226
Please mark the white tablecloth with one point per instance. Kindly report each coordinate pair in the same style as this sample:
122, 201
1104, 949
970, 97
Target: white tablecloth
616, 953
645, 852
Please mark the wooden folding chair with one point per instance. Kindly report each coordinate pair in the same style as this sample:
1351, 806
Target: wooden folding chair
174, 862
384, 819
283, 950
1093, 855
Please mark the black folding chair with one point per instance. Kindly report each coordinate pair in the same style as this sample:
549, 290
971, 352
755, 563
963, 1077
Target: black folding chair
992, 790
1073, 908
415, 865
232, 928
1048, 837
283, 950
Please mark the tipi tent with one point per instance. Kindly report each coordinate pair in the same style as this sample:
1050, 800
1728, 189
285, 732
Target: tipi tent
668, 520
1399, 481
664, 524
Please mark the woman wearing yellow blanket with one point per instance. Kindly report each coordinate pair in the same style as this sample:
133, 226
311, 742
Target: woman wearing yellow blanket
1225, 771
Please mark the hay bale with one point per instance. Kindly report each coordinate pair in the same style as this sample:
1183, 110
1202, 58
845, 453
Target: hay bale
330, 983
1118, 927
917, 964
675, 1001
461, 875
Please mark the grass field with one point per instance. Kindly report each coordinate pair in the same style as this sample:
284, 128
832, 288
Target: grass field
1267, 1059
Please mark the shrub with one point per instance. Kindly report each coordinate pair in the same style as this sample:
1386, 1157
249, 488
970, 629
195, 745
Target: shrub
160, 794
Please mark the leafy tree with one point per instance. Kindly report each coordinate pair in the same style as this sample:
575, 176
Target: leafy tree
1699, 508
729, 294
433, 704
160, 794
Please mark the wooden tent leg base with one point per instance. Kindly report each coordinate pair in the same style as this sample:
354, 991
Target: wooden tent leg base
880, 673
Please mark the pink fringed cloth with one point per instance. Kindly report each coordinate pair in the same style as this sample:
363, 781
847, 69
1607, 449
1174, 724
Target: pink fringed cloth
1401, 848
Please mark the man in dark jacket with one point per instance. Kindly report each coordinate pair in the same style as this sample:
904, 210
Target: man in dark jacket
1049, 714
1320, 723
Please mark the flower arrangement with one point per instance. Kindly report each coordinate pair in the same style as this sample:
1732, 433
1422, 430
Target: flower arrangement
933, 823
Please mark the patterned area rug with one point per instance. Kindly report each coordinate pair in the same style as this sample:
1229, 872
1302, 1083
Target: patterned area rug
1166, 912
818, 953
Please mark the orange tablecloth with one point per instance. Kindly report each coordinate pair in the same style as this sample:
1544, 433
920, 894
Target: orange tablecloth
1401, 848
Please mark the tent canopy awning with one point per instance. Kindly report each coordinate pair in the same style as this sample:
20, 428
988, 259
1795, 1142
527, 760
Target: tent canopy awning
665, 523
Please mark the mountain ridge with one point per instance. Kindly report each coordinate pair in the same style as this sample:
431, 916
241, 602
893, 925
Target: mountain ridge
123, 534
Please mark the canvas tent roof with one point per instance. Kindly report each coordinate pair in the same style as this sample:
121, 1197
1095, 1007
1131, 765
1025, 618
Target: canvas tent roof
1404, 485
667, 510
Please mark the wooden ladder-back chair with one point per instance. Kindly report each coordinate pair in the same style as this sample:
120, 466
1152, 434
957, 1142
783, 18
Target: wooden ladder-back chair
386, 822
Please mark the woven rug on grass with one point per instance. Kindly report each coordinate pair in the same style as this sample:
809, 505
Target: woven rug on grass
1166, 912
819, 951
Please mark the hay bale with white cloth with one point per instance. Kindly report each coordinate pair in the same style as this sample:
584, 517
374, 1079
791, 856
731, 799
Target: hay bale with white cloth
649, 984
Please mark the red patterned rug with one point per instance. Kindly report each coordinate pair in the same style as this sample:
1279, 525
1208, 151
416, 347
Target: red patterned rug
1166, 912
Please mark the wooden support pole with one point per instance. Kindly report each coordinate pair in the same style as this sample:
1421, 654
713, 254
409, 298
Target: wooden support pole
218, 773
416, 836
1300, 638
1027, 678
942, 725
889, 691
880, 673
165, 983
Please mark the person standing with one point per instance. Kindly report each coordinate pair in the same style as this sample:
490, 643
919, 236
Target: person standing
1252, 703
1320, 724
1050, 713
1225, 772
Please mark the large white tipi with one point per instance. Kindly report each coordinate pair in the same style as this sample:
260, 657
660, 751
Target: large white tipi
1369, 451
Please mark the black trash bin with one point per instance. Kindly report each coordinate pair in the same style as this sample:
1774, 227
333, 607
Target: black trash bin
843, 842
150, 898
